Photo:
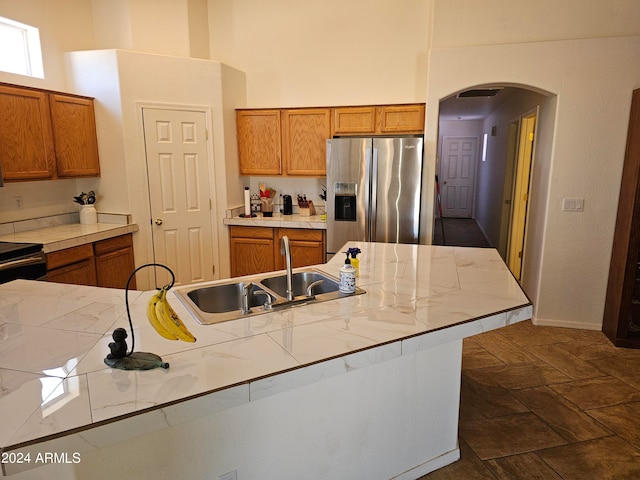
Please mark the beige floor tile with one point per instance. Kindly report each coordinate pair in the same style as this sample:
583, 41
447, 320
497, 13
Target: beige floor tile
623, 368
558, 357
503, 349
527, 466
607, 458
489, 399
563, 416
478, 358
525, 375
622, 419
597, 392
511, 435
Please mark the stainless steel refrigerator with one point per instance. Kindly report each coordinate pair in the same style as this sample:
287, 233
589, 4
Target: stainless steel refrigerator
373, 190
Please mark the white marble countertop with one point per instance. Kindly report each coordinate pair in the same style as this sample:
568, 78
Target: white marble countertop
54, 337
58, 237
278, 220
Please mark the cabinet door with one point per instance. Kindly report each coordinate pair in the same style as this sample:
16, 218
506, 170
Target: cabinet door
79, 273
307, 247
402, 119
74, 131
354, 120
115, 262
251, 250
259, 142
305, 133
26, 140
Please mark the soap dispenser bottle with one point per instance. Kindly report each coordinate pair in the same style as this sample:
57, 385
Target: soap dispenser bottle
347, 277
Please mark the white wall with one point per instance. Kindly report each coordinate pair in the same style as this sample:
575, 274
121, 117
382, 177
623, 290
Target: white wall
122, 83
490, 22
593, 80
324, 53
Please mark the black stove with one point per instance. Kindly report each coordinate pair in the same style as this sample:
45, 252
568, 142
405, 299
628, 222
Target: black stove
22, 261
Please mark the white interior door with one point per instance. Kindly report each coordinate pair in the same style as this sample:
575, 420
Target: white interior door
457, 174
178, 172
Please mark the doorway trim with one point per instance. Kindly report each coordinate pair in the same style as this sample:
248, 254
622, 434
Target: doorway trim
525, 160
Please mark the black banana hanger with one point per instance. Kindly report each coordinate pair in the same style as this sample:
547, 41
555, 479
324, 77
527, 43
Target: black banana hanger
119, 357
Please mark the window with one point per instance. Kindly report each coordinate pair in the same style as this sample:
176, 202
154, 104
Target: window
21, 52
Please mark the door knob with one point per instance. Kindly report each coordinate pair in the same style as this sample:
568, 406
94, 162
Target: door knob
158, 221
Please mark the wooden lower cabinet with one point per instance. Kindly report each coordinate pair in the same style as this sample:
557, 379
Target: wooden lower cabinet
251, 250
307, 247
114, 262
72, 265
107, 263
257, 249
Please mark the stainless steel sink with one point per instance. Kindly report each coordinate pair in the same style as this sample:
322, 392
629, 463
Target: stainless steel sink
227, 298
222, 301
300, 282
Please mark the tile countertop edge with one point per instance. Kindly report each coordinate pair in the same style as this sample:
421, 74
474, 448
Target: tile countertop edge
278, 220
70, 235
106, 432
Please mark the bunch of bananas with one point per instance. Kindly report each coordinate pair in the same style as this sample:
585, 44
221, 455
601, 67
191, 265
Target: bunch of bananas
165, 320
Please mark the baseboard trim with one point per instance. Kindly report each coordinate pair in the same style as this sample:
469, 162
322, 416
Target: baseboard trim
549, 322
430, 466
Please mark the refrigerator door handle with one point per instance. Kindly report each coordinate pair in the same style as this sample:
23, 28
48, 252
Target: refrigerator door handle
373, 196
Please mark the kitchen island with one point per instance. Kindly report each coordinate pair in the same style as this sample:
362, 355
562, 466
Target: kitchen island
360, 387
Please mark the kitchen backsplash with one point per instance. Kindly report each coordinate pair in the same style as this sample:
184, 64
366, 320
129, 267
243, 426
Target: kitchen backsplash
294, 186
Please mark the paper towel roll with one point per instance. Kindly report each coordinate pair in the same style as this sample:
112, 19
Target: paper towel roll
247, 202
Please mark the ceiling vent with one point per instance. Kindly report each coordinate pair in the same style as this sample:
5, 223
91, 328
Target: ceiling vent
479, 92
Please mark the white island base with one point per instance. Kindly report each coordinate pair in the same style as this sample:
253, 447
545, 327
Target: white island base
361, 388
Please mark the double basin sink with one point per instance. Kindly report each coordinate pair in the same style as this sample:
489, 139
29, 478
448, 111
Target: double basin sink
231, 300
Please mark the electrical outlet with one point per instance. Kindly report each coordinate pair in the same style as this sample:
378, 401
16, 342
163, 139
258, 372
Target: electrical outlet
572, 204
229, 476
18, 202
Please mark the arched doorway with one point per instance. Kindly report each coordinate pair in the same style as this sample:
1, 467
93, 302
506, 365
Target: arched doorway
502, 120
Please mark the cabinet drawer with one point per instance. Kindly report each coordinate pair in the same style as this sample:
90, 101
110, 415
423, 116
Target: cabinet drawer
113, 244
302, 234
251, 232
69, 256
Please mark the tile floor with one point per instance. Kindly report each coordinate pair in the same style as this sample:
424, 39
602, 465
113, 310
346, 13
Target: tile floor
547, 403
459, 232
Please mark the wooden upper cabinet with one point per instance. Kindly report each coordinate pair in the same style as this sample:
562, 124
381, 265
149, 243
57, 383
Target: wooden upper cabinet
26, 140
402, 119
305, 133
259, 142
354, 120
293, 141
45, 135
379, 120
74, 133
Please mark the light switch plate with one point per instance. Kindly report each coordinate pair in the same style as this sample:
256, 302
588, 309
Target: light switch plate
572, 204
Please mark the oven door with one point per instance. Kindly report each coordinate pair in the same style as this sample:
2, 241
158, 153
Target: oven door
30, 267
